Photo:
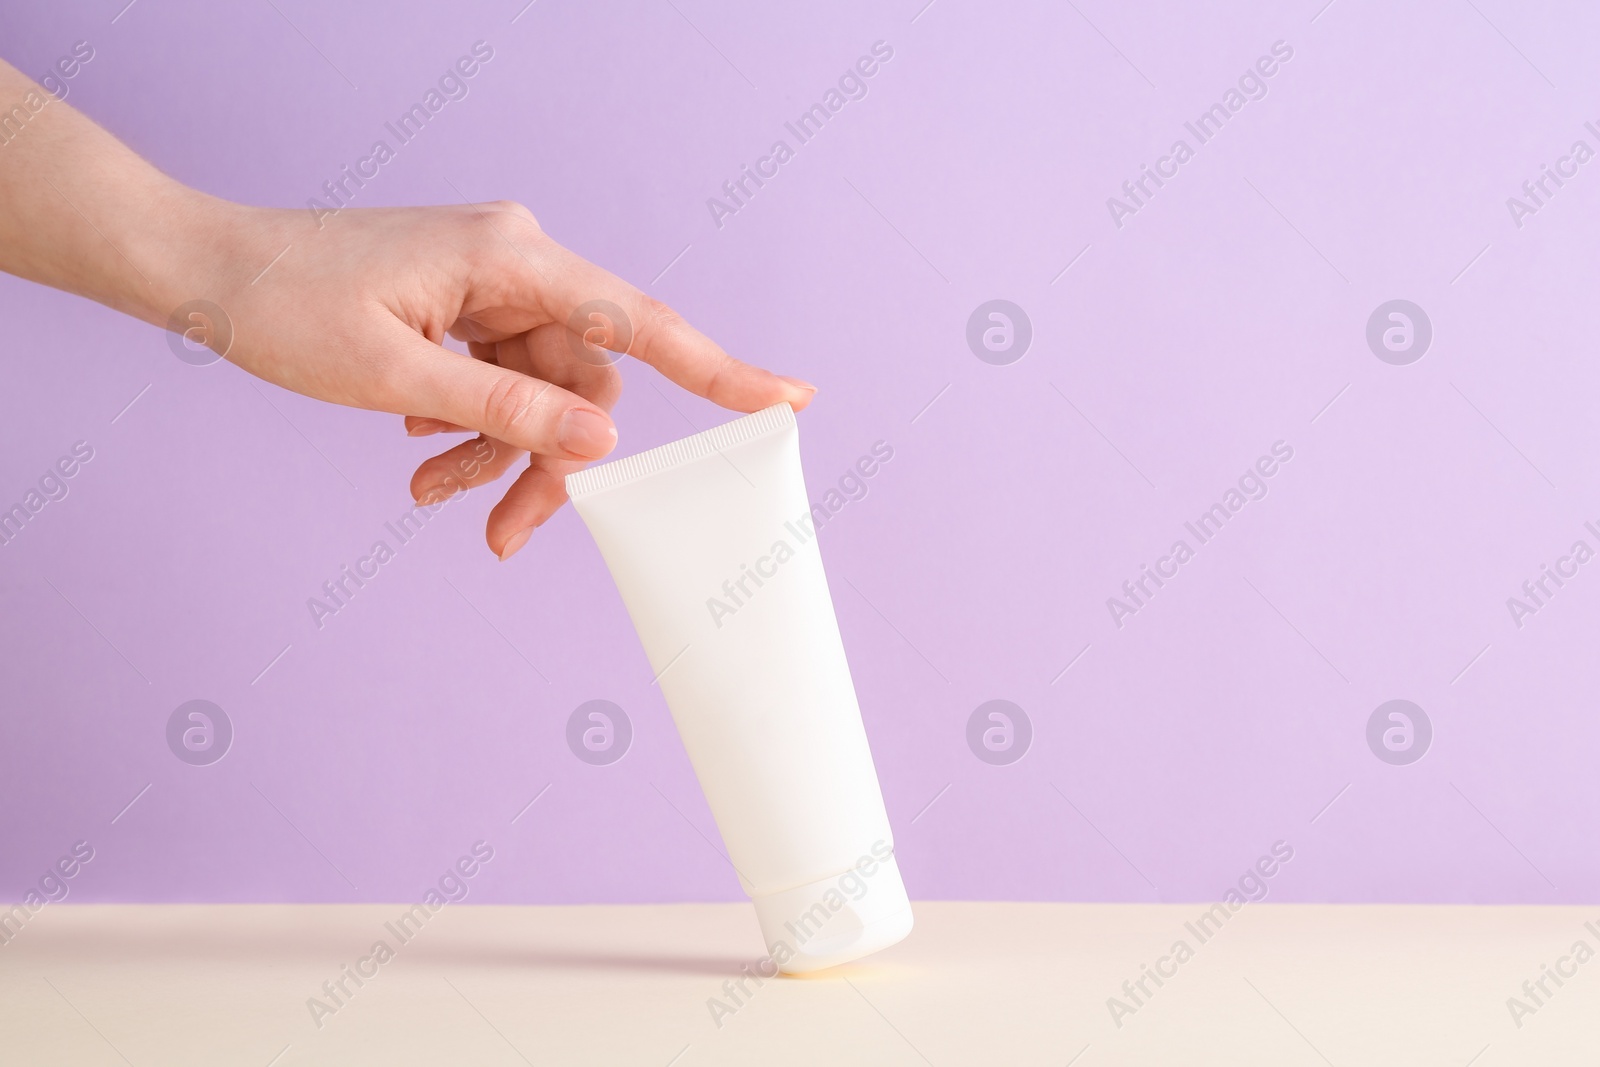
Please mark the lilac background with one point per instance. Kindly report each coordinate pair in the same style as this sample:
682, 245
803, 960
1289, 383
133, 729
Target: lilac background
1225, 316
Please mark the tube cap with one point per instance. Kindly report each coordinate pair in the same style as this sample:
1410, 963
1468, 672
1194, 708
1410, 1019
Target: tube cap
835, 920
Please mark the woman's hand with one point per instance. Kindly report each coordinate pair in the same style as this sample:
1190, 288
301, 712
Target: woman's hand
355, 311
352, 307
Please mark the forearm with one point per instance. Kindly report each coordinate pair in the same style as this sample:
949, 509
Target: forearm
80, 211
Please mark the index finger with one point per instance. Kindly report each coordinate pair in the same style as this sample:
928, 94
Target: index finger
572, 290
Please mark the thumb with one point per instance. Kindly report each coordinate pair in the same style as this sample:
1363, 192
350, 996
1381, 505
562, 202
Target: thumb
523, 411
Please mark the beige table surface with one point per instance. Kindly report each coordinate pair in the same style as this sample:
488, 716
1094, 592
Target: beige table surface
974, 984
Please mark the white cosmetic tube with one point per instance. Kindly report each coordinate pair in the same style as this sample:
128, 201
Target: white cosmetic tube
711, 543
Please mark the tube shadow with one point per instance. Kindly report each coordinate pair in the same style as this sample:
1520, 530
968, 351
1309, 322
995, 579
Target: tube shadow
322, 948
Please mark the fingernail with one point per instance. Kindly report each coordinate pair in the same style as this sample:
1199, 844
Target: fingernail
799, 383
517, 541
425, 427
587, 433
434, 493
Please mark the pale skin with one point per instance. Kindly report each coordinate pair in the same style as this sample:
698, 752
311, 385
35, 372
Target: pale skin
356, 311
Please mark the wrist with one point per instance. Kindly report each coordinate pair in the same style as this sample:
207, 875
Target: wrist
187, 248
